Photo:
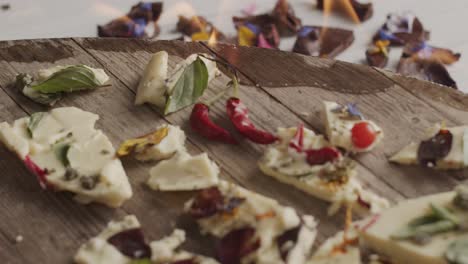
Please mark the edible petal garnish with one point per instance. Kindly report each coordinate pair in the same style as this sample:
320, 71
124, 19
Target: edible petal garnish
402, 28
249, 34
377, 53
362, 11
282, 16
422, 50
135, 23
435, 148
428, 70
51, 84
324, 42
237, 244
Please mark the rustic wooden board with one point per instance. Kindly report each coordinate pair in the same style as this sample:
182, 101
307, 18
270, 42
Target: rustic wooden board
290, 90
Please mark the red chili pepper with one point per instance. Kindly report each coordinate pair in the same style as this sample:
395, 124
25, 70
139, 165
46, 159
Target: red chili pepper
200, 122
297, 142
322, 156
239, 116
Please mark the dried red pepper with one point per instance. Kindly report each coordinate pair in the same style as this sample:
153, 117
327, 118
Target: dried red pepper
239, 116
200, 122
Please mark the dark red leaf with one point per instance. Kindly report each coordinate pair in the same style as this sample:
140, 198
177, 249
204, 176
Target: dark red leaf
131, 243
435, 148
236, 245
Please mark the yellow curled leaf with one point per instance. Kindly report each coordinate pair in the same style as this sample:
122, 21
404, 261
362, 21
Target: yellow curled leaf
129, 145
246, 37
200, 36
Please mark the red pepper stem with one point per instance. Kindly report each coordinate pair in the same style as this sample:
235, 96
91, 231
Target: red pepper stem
235, 86
215, 98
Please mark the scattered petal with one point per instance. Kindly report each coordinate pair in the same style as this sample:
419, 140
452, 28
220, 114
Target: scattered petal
134, 24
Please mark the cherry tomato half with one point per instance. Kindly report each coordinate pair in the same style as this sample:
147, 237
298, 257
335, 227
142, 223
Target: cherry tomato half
363, 135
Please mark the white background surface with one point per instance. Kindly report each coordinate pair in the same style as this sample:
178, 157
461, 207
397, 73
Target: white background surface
447, 20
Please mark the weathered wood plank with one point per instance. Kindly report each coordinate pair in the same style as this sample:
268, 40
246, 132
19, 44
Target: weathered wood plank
60, 225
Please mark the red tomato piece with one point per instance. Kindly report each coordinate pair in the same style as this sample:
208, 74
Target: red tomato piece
363, 135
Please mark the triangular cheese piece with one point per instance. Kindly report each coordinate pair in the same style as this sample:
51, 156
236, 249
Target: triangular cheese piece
332, 181
264, 231
441, 154
66, 153
342, 121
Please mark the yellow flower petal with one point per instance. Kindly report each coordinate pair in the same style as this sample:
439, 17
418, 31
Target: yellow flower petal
142, 142
246, 37
200, 36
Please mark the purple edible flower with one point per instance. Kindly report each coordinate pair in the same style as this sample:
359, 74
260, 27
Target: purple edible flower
353, 110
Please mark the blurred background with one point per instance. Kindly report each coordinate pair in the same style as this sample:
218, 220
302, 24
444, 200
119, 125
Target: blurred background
446, 20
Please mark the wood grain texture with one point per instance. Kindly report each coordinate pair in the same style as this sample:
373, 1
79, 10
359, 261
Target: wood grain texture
54, 226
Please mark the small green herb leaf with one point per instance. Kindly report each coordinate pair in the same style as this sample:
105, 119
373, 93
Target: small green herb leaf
34, 120
69, 79
190, 86
457, 252
430, 229
61, 151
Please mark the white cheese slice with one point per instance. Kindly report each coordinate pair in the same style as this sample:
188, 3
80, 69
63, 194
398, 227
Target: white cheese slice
455, 158
184, 172
268, 218
70, 154
152, 86
378, 236
172, 143
158, 81
339, 129
288, 166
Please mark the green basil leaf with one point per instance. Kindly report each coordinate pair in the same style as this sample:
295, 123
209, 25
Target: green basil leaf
34, 120
69, 79
457, 252
190, 86
141, 261
61, 151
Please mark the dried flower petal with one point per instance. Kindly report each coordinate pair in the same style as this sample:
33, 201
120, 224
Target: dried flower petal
134, 24
246, 37
236, 245
282, 16
377, 54
143, 142
131, 243
435, 148
324, 42
422, 50
428, 70
400, 29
